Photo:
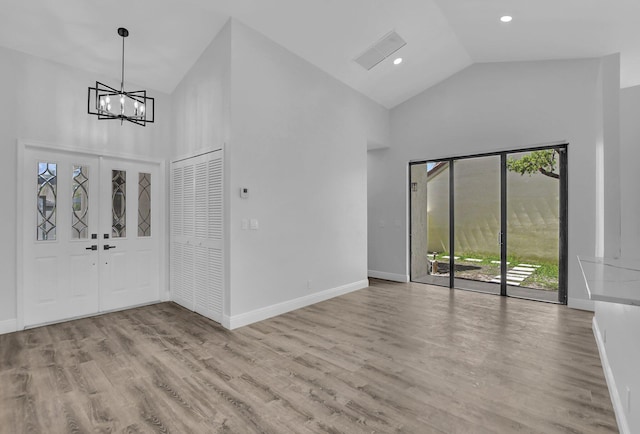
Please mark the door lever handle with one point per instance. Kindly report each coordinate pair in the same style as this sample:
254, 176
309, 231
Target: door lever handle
107, 247
94, 247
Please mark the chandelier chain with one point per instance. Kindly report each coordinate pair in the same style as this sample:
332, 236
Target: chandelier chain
122, 81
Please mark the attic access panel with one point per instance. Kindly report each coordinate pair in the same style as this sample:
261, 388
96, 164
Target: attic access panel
385, 47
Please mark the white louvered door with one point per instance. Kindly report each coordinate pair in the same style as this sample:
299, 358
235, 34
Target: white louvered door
196, 234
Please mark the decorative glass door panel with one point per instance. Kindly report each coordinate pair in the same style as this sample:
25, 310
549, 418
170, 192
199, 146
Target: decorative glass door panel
47, 200
144, 204
119, 203
80, 203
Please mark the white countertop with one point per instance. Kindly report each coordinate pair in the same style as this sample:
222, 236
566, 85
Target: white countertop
615, 280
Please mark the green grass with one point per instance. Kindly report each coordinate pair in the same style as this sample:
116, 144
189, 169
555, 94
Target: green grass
545, 277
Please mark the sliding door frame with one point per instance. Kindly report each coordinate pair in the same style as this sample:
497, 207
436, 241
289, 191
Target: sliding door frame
563, 253
503, 225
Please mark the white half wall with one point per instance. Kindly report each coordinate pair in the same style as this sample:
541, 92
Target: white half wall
616, 326
46, 102
299, 143
491, 107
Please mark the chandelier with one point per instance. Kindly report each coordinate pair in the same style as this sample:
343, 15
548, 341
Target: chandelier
109, 103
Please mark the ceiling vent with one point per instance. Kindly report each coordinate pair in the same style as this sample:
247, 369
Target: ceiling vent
385, 47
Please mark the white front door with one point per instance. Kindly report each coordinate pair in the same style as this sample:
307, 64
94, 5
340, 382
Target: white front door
90, 237
60, 269
130, 266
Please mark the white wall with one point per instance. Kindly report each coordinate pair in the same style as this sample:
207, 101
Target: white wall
47, 102
630, 170
620, 324
608, 223
200, 102
490, 107
299, 143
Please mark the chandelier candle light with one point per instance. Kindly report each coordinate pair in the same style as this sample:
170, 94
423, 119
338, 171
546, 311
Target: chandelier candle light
109, 103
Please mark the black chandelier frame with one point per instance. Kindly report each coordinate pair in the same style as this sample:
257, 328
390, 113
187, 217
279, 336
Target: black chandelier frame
99, 97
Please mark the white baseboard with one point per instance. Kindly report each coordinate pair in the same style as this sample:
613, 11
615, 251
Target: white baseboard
616, 400
263, 313
91, 315
389, 276
8, 326
581, 304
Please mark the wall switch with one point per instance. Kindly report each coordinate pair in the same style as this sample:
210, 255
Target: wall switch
254, 224
244, 224
244, 192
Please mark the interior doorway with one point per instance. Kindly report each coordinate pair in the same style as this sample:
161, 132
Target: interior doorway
494, 223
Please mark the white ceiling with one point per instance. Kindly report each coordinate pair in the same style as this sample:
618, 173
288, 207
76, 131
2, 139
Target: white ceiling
443, 36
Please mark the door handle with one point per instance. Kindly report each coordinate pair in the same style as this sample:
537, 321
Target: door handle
93, 247
107, 247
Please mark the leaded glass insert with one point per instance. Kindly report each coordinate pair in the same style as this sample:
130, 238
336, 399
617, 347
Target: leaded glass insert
119, 203
47, 198
80, 203
144, 204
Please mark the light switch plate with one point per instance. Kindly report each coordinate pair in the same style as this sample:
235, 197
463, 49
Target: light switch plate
244, 224
254, 224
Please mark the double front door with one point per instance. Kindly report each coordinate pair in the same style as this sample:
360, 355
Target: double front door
90, 234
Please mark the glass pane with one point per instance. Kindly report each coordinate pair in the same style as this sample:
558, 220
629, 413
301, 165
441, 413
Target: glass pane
477, 224
119, 203
430, 223
80, 203
144, 204
533, 208
47, 194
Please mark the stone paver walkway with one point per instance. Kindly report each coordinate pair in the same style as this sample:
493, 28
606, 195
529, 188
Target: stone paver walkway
517, 274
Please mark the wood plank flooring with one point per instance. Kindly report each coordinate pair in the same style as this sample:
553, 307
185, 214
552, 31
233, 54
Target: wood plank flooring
390, 358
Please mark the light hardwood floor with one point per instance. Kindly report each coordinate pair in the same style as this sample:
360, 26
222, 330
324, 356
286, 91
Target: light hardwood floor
390, 358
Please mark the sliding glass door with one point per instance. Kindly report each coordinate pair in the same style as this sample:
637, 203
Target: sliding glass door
493, 223
477, 224
430, 222
534, 193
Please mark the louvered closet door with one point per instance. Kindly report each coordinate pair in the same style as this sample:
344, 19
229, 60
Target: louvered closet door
176, 269
196, 250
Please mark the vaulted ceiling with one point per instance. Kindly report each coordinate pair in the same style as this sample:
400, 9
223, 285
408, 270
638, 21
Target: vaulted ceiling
443, 36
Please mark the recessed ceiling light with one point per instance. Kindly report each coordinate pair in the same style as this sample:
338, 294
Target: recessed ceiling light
398, 61
506, 18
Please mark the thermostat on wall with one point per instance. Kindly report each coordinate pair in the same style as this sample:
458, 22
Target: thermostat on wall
244, 192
